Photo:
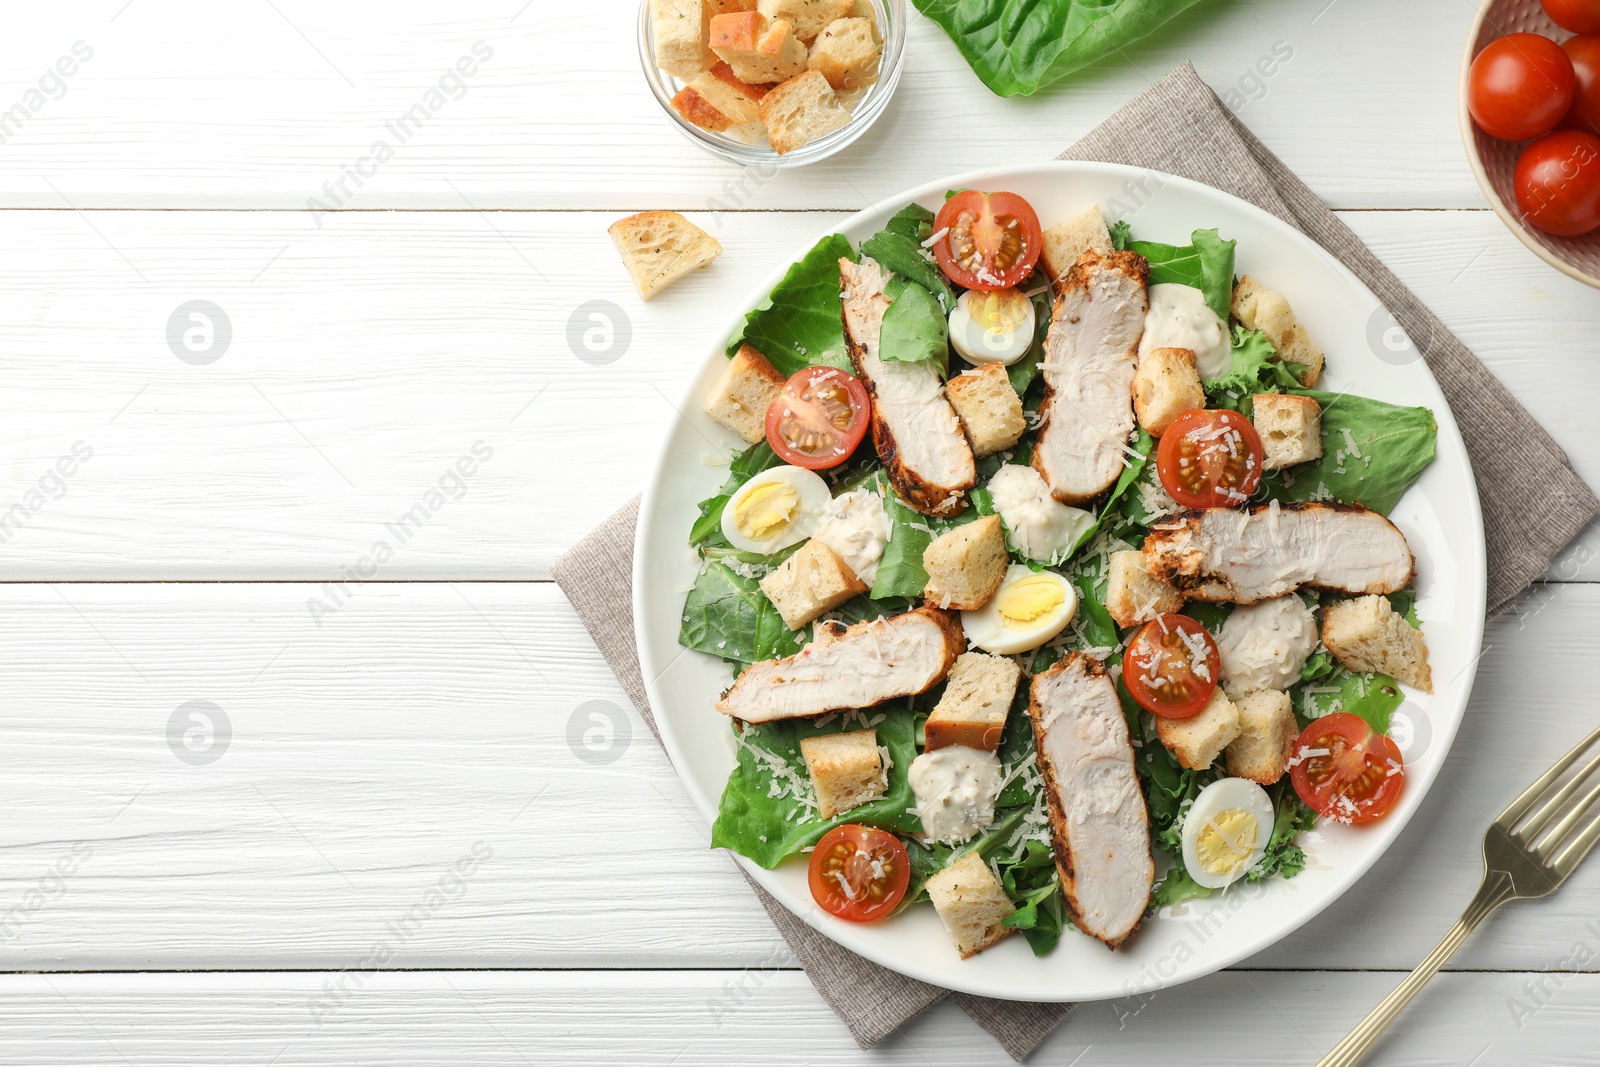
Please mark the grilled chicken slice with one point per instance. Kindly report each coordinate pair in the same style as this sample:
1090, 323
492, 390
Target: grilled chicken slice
1097, 813
1267, 550
850, 667
1090, 354
914, 428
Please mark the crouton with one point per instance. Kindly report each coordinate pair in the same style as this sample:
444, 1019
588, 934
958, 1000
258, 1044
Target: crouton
757, 49
811, 581
801, 110
741, 395
1260, 308
724, 73
1133, 594
808, 17
989, 409
1199, 739
966, 565
1267, 730
977, 699
1367, 635
1290, 428
659, 247
728, 7
1066, 241
713, 104
1166, 385
972, 903
846, 53
846, 770
680, 30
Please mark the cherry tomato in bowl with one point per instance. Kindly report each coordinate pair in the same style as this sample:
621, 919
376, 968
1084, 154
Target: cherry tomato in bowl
1520, 86
1585, 55
1579, 16
1345, 770
987, 240
859, 873
1171, 667
1557, 183
1210, 459
819, 418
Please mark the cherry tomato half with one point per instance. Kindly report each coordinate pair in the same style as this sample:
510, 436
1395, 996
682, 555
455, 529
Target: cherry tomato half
859, 873
1557, 182
1345, 770
1520, 86
1579, 16
1585, 55
1171, 667
1210, 459
989, 240
819, 418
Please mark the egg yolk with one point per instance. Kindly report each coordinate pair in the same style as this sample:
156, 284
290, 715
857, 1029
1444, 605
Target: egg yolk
1227, 841
1026, 602
1001, 311
764, 511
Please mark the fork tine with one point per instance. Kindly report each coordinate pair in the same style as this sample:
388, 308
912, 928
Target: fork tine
1564, 825
1568, 858
1555, 803
1520, 805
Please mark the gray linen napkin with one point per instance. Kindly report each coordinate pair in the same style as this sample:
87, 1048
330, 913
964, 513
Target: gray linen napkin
1178, 126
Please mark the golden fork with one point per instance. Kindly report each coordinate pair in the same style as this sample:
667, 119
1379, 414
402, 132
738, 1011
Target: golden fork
1528, 851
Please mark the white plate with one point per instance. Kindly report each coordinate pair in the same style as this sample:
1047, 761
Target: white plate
1439, 515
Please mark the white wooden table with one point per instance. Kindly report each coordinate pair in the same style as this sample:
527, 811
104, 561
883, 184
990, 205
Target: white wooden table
387, 847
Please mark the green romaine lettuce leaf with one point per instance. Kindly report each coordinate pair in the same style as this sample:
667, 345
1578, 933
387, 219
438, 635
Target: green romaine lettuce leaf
1374, 697
898, 248
914, 329
802, 323
1016, 47
1205, 263
728, 616
1395, 444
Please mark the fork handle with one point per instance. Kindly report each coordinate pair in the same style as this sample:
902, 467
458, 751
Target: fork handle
1495, 891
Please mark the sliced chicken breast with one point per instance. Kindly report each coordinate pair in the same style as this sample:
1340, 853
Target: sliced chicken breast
914, 428
1097, 813
850, 667
1090, 354
1267, 550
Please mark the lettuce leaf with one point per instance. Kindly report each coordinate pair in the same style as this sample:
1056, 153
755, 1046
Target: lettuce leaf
1206, 263
728, 616
1395, 445
1255, 369
914, 329
801, 323
1017, 47
898, 247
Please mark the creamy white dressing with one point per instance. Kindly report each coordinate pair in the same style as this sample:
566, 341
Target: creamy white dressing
1266, 645
956, 787
856, 526
1037, 524
1179, 317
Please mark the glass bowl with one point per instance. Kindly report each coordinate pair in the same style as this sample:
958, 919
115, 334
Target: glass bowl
865, 105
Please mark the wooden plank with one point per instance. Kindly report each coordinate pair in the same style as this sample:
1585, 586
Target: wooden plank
368, 358
424, 725
1261, 1019
200, 105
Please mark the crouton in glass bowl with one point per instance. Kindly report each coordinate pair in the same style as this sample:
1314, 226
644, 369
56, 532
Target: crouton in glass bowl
778, 91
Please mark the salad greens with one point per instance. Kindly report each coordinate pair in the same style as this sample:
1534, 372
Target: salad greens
914, 329
1372, 453
1017, 47
898, 247
1206, 263
802, 322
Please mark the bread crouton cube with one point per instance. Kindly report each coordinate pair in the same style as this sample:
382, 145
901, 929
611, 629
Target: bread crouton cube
1166, 385
846, 53
659, 247
800, 111
808, 17
1133, 594
728, 7
977, 698
757, 49
972, 903
1260, 308
1367, 635
989, 409
1199, 739
811, 581
712, 104
1267, 731
1290, 428
1066, 241
680, 30
742, 393
846, 770
966, 565
724, 73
